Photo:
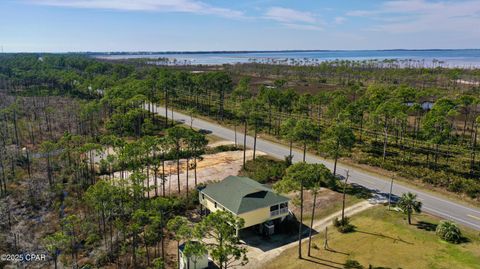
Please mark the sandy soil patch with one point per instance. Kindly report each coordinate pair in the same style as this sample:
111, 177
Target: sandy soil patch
212, 167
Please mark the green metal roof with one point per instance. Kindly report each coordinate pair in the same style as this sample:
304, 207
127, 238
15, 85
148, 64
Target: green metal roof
242, 194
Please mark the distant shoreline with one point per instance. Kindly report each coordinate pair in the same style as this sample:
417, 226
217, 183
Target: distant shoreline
448, 58
255, 51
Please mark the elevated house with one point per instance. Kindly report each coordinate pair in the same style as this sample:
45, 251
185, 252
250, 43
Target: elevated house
245, 198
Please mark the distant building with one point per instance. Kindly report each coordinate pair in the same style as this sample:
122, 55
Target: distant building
246, 199
427, 105
192, 262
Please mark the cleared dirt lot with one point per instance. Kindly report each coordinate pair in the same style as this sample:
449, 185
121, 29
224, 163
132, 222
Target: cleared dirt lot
211, 167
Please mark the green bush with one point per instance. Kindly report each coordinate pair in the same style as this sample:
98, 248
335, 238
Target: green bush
352, 264
449, 232
343, 226
93, 240
222, 148
264, 169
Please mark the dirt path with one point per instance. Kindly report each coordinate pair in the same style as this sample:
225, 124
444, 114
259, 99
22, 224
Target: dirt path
257, 257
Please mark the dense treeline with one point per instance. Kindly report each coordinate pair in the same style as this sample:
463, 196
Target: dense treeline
412, 73
432, 132
419, 133
84, 134
97, 162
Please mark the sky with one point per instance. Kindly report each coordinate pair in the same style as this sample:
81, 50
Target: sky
212, 25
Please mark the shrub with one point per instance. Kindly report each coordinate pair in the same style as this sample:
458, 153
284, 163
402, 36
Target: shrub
222, 148
264, 169
449, 232
93, 240
158, 263
343, 226
352, 264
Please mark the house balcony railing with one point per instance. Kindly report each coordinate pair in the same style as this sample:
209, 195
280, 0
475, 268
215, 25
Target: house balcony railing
280, 211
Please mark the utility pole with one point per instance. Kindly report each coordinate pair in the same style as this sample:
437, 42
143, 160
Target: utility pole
390, 193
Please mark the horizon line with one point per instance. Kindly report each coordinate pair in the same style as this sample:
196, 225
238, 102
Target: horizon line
146, 52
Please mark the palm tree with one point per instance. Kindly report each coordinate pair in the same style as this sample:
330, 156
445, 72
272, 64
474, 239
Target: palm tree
449, 232
409, 204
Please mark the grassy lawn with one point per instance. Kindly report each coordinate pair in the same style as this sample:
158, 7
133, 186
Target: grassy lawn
384, 238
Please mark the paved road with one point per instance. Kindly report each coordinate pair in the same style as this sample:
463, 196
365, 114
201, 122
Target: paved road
436, 205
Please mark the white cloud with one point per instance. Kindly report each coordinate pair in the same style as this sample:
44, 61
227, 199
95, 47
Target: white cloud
410, 16
288, 15
186, 6
303, 26
293, 19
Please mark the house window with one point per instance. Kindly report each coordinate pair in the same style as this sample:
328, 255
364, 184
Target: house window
203, 196
274, 211
284, 208
215, 204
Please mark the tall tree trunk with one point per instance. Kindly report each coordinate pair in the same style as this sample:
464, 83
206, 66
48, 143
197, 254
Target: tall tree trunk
235, 130
290, 149
166, 108
178, 170
301, 223
473, 155
156, 179
164, 178
336, 157
304, 151
254, 142
187, 176
222, 99
147, 253
3, 182
385, 141
311, 222
245, 143
195, 169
